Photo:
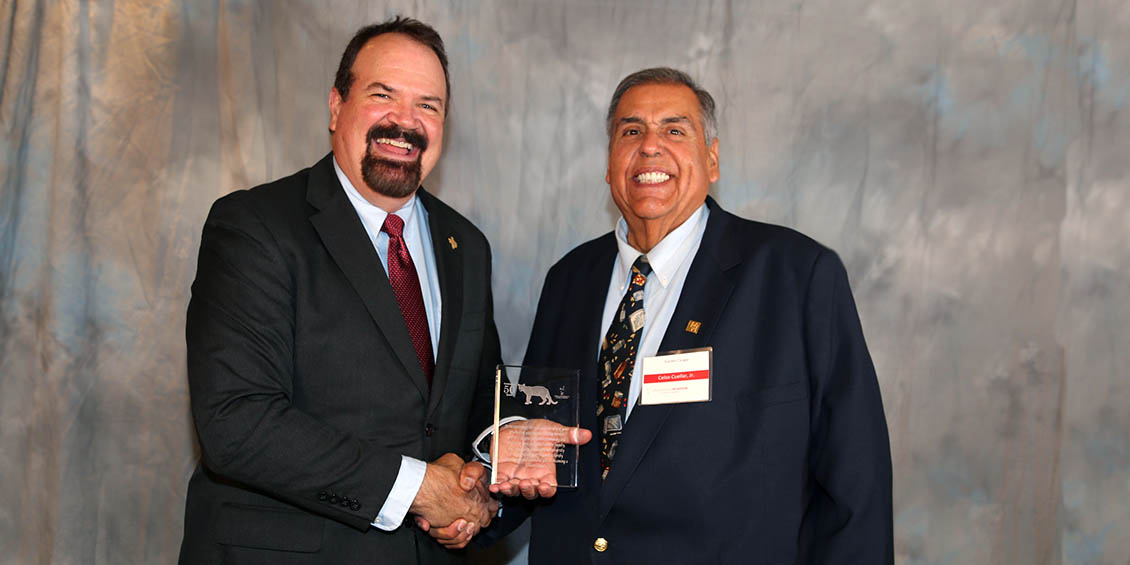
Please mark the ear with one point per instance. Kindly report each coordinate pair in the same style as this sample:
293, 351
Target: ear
335, 107
712, 161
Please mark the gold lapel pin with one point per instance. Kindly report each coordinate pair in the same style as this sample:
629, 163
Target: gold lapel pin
451, 240
693, 326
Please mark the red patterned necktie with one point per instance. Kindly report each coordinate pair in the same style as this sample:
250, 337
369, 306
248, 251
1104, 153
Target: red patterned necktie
406, 285
616, 360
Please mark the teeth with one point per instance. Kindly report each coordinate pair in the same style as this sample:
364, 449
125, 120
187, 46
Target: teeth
396, 143
652, 177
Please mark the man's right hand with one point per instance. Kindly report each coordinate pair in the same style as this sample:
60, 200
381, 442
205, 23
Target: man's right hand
443, 500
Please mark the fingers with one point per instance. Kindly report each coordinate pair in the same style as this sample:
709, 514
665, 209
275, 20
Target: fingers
423, 525
578, 436
546, 490
528, 488
455, 536
506, 488
471, 474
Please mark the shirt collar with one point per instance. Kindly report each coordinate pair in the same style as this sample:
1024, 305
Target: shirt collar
372, 215
665, 257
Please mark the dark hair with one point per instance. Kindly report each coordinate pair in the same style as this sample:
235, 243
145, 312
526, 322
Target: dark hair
420, 32
666, 75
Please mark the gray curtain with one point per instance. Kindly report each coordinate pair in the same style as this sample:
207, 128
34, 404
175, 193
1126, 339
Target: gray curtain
969, 160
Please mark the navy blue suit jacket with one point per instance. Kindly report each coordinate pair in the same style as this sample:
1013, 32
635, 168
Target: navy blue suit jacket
790, 461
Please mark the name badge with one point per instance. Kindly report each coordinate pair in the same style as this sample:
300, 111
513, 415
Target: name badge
676, 377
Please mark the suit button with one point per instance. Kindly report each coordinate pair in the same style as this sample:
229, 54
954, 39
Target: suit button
429, 430
334, 499
345, 501
355, 506
600, 544
322, 496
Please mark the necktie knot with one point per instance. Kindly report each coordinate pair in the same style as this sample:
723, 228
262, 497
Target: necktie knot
640, 270
393, 226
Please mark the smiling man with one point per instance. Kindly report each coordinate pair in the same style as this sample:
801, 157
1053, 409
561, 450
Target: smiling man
772, 447
341, 341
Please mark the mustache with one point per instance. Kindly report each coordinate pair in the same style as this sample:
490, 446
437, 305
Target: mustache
392, 131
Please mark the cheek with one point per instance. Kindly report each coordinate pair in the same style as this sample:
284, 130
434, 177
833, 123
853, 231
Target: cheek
619, 160
435, 145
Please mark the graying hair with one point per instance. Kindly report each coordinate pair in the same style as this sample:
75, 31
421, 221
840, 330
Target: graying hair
666, 75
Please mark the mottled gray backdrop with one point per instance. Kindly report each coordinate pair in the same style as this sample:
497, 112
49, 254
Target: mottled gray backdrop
970, 160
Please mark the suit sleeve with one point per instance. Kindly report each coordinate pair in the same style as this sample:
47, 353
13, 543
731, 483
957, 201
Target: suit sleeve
849, 518
240, 338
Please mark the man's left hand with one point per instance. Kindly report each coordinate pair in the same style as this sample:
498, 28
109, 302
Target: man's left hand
527, 456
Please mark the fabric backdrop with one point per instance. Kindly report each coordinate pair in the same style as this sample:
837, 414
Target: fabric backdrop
969, 160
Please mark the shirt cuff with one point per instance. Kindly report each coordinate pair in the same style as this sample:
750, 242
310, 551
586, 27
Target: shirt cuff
403, 492
487, 432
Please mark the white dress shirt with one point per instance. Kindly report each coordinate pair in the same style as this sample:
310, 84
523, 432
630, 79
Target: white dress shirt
670, 261
417, 237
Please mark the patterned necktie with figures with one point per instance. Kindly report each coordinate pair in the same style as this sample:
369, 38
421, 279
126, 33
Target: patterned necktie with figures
617, 357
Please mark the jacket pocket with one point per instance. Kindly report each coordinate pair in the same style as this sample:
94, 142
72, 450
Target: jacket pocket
263, 527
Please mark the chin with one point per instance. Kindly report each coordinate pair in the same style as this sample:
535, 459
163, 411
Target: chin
650, 209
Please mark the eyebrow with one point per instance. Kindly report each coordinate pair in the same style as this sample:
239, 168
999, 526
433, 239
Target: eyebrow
433, 99
669, 120
380, 85
387, 88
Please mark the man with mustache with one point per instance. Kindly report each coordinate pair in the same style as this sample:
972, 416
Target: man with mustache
341, 340
772, 450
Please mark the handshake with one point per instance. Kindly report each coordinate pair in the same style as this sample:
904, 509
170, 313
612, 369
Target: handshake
456, 500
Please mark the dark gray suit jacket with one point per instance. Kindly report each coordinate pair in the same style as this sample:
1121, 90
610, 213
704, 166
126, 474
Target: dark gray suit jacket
305, 387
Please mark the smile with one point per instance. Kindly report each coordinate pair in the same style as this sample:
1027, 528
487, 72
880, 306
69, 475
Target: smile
407, 147
652, 177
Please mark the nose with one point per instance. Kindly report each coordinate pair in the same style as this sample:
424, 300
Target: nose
404, 115
649, 145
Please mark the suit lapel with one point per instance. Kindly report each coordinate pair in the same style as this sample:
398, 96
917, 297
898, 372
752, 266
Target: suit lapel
704, 296
344, 236
592, 285
449, 269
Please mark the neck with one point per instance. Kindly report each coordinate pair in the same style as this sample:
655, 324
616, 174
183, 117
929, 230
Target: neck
644, 235
383, 201
386, 203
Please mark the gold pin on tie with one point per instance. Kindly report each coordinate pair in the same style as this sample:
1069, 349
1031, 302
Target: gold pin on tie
451, 240
693, 326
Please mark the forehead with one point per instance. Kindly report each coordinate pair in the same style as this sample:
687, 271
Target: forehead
656, 102
401, 62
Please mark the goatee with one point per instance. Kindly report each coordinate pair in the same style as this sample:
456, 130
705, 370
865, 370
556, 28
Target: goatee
392, 178
395, 179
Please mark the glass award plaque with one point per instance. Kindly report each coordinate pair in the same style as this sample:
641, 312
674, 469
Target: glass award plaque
542, 406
